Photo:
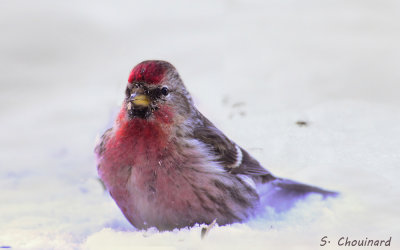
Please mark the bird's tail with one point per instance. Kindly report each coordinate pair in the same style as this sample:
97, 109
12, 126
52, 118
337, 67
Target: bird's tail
282, 194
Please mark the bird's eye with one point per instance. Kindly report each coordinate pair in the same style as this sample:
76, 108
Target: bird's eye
164, 91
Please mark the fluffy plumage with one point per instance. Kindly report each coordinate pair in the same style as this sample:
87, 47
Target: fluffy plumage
168, 166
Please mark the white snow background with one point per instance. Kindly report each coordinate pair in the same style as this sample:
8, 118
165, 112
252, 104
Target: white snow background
255, 68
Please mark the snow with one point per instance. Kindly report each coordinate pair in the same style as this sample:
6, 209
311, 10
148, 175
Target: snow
254, 68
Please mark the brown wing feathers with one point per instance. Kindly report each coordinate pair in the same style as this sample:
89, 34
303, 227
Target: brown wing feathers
235, 159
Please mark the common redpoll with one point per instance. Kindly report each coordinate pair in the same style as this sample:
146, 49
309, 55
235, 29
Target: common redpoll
167, 166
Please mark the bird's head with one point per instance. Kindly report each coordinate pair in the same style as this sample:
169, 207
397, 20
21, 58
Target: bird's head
153, 88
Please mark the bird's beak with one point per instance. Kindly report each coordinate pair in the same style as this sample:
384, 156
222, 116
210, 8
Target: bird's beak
140, 100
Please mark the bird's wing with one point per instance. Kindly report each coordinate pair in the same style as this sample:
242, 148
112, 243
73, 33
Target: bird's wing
233, 158
100, 144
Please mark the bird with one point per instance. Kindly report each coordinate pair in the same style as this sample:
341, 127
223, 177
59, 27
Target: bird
167, 166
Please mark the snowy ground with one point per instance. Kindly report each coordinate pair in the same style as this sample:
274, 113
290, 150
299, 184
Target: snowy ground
255, 68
